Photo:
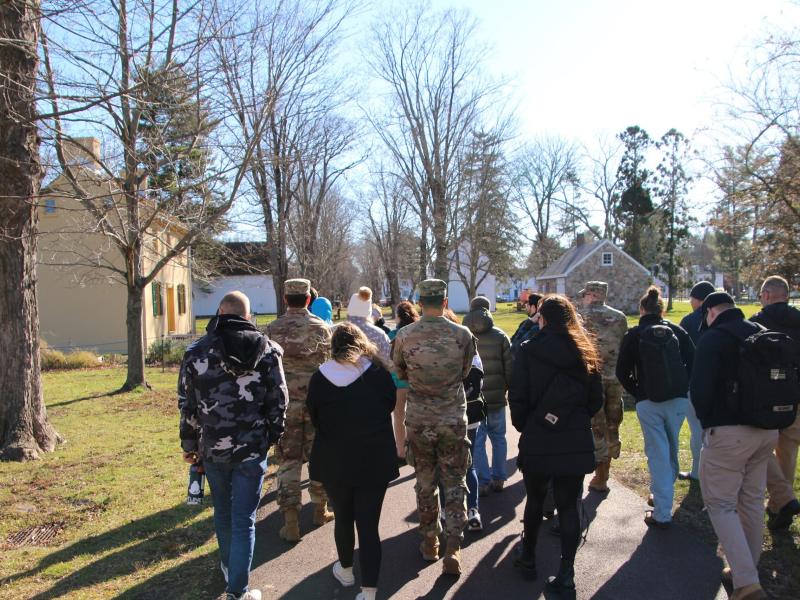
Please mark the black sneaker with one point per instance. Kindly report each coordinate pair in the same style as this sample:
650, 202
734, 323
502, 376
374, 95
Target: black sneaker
782, 519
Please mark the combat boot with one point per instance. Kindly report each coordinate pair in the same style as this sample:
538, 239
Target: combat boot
451, 565
563, 583
321, 514
526, 561
430, 548
291, 527
599, 482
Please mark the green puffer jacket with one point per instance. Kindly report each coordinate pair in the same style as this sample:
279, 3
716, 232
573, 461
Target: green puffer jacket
494, 348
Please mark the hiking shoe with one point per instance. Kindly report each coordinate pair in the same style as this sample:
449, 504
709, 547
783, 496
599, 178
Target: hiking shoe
224, 570
749, 592
474, 520
343, 575
782, 519
291, 528
483, 491
650, 521
687, 476
496, 485
321, 514
430, 549
451, 564
251, 595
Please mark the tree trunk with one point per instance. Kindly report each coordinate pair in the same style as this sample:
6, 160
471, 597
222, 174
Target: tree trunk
394, 291
440, 265
423, 257
24, 428
134, 322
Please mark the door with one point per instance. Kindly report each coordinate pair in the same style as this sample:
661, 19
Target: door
170, 309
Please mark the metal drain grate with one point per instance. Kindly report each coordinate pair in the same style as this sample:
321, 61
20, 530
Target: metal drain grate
38, 535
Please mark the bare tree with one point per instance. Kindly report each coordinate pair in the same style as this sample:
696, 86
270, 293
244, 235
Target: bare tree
605, 185
24, 428
98, 63
284, 59
545, 173
430, 67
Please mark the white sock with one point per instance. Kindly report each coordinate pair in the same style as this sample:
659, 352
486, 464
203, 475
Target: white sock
369, 593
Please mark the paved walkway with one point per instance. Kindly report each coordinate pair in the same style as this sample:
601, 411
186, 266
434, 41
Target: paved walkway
622, 558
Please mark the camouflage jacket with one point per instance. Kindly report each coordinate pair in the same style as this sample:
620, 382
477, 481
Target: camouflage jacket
434, 355
231, 393
306, 343
609, 326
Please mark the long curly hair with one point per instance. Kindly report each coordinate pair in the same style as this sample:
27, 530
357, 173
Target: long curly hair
406, 314
348, 344
560, 314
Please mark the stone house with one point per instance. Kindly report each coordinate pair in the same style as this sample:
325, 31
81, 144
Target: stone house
597, 261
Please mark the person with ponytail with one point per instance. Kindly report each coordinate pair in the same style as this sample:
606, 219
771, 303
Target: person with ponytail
556, 388
654, 366
350, 401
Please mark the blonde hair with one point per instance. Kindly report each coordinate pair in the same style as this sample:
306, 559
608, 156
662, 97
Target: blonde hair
349, 343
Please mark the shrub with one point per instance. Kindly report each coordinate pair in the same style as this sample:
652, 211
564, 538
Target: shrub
76, 359
167, 351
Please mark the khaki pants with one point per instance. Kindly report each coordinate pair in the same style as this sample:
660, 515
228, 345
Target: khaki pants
781, 467
733, 478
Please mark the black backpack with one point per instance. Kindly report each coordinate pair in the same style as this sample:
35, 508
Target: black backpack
663, 375
766, 390
563, 395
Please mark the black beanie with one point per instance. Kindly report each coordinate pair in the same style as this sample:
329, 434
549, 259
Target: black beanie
716, 299
701, 290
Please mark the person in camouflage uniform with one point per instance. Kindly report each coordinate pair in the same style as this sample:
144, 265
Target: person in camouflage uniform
306, 343
435, 355
609, 326
232, 399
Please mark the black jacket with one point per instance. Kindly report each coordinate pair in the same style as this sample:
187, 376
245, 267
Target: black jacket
691, 324
526, 330
780, 317
541, 450
715, 364
629, 370
354, 440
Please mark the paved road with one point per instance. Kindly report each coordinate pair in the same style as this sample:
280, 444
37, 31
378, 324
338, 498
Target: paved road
622, 558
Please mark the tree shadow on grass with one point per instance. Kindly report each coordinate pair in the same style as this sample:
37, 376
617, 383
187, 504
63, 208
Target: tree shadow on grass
162, 536
114, 392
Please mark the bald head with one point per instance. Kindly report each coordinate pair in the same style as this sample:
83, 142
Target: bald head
774, 289
235, 303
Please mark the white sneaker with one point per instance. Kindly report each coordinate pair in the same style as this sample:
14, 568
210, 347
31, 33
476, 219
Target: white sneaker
367, 594
224, 570
342, 575
474, 520
251, 595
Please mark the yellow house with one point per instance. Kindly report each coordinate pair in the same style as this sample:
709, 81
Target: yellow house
81, 283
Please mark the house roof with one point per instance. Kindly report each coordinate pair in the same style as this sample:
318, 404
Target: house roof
245, 258
577, 254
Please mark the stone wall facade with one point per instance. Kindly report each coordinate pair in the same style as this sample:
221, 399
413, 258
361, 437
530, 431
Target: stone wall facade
627, 281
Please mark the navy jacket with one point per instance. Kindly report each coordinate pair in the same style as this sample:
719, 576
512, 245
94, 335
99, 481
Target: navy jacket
629, 370
526, 330
691, 324
715, 364
780, 317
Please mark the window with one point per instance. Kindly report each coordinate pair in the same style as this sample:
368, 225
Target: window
49, 206
181, 299
158, 300
608, 259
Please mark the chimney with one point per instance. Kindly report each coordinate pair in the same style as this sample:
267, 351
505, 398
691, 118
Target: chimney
82, 152
580, 239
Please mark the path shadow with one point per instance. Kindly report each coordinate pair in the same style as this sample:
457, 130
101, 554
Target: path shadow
778, 568
664, 567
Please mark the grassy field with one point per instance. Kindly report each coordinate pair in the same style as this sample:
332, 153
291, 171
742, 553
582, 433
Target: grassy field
116, 490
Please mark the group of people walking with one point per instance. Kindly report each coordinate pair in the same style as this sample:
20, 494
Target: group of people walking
358, 400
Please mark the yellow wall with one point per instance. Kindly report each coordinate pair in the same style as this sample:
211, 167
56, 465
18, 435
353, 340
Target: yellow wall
81, 305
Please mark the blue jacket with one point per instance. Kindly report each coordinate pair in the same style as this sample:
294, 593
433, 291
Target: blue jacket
691, 325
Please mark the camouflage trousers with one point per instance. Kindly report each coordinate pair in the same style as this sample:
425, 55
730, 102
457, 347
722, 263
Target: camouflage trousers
440, 454
292, 451
605, 424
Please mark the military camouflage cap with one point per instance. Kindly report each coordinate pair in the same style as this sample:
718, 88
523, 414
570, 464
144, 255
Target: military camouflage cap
432, 288
596, 287
297, 286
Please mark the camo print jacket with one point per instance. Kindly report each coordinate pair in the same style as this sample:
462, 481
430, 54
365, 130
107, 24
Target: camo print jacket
231, 393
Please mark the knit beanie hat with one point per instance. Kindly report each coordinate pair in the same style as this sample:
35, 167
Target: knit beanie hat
358, 307
480, 302
701, 290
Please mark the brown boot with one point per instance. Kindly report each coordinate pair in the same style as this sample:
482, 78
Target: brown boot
321, 514
291, 528
452, 557
430, 549
599, 482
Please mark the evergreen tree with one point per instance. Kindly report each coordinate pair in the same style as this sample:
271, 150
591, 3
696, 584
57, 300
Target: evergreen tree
635, 204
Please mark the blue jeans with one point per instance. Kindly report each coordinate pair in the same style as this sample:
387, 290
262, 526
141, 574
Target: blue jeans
495, 427
696, 439
472, 475
236, 492
661, 426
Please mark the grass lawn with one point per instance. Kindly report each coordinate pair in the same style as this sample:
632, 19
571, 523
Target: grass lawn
117, 490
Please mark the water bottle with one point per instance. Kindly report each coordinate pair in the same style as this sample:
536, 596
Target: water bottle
197, 481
